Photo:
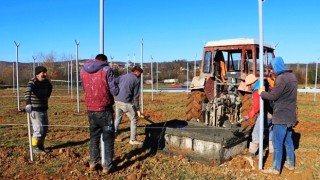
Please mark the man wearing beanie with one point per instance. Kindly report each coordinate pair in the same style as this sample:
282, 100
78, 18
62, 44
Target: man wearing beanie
37, 93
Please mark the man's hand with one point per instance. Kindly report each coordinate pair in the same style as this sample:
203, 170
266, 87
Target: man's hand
238, 123
28, 108
261, 89
243, 119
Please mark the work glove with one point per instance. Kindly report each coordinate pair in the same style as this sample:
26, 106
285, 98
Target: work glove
28, 108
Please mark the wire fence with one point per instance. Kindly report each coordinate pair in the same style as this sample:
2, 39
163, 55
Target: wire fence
62, 97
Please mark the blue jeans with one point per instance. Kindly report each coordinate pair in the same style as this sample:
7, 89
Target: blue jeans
282, 137
127, 108
101, 123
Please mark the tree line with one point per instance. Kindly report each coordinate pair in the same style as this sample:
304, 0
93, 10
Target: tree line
176, 69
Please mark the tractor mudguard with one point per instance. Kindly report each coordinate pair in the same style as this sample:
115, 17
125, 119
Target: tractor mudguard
197, 83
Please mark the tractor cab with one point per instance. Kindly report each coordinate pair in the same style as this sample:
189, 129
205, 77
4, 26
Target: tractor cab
217, 94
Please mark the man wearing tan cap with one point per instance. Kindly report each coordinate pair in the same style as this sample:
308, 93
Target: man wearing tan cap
254, 84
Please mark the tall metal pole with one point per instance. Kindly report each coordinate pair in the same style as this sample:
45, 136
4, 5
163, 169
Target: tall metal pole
102, 52
141, 93
34, 65
134, 59
68, 77
305, 87
306, 77
157, 79
261, 85
13, 77
195, 67
77, 74
315, 81
29, 137
111, 65
102, 26
71, 79
187, 77
17, 71
128, 63
151, 78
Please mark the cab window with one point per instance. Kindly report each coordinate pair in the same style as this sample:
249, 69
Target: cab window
207, 62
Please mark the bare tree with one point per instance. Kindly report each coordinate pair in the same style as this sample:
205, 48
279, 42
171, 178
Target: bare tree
49, 61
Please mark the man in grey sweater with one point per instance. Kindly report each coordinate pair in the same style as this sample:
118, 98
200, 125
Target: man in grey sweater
127, 101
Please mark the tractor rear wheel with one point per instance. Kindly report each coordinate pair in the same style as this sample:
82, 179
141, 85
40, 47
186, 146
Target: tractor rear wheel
194, 106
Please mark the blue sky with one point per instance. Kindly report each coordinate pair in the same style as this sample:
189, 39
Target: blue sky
171, 29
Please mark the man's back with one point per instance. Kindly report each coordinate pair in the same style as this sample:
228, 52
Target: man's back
129, 86
94, 81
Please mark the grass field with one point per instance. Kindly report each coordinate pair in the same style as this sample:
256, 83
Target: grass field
68, 138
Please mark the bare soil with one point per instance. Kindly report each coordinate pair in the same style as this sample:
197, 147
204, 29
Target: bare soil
68, 138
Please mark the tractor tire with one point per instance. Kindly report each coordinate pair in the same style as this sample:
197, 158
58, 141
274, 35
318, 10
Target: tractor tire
194, 106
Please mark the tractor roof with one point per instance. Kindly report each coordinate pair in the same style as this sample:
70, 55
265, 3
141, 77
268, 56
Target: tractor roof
233, 42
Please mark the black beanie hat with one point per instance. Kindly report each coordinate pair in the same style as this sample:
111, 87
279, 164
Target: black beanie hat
40, 69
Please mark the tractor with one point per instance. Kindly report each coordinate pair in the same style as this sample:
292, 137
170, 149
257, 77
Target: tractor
218, 95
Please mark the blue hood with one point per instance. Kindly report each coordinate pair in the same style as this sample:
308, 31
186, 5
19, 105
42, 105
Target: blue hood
93, 66
278, 65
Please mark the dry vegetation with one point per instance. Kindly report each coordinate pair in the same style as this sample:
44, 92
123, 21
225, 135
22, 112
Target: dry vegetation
69, 140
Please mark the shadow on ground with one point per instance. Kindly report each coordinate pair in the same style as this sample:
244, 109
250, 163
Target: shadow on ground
154, 141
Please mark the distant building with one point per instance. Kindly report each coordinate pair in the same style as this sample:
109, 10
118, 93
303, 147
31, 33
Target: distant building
170, 81
149, 81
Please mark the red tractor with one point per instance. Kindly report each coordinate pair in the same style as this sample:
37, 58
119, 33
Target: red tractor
218, 95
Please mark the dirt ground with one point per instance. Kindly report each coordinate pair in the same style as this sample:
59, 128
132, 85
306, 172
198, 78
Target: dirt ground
68, 139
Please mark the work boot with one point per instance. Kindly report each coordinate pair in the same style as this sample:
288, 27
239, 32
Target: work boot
286, 165
253, 148
36, 150
46, 150
37, 146
108, 169
92, 166
270, 171
135, 142
40, 149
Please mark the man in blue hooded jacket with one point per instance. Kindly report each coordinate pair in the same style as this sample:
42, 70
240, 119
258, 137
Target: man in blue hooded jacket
284, 95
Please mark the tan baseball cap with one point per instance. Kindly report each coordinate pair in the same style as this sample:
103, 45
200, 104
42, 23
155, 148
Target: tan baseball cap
250, 79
